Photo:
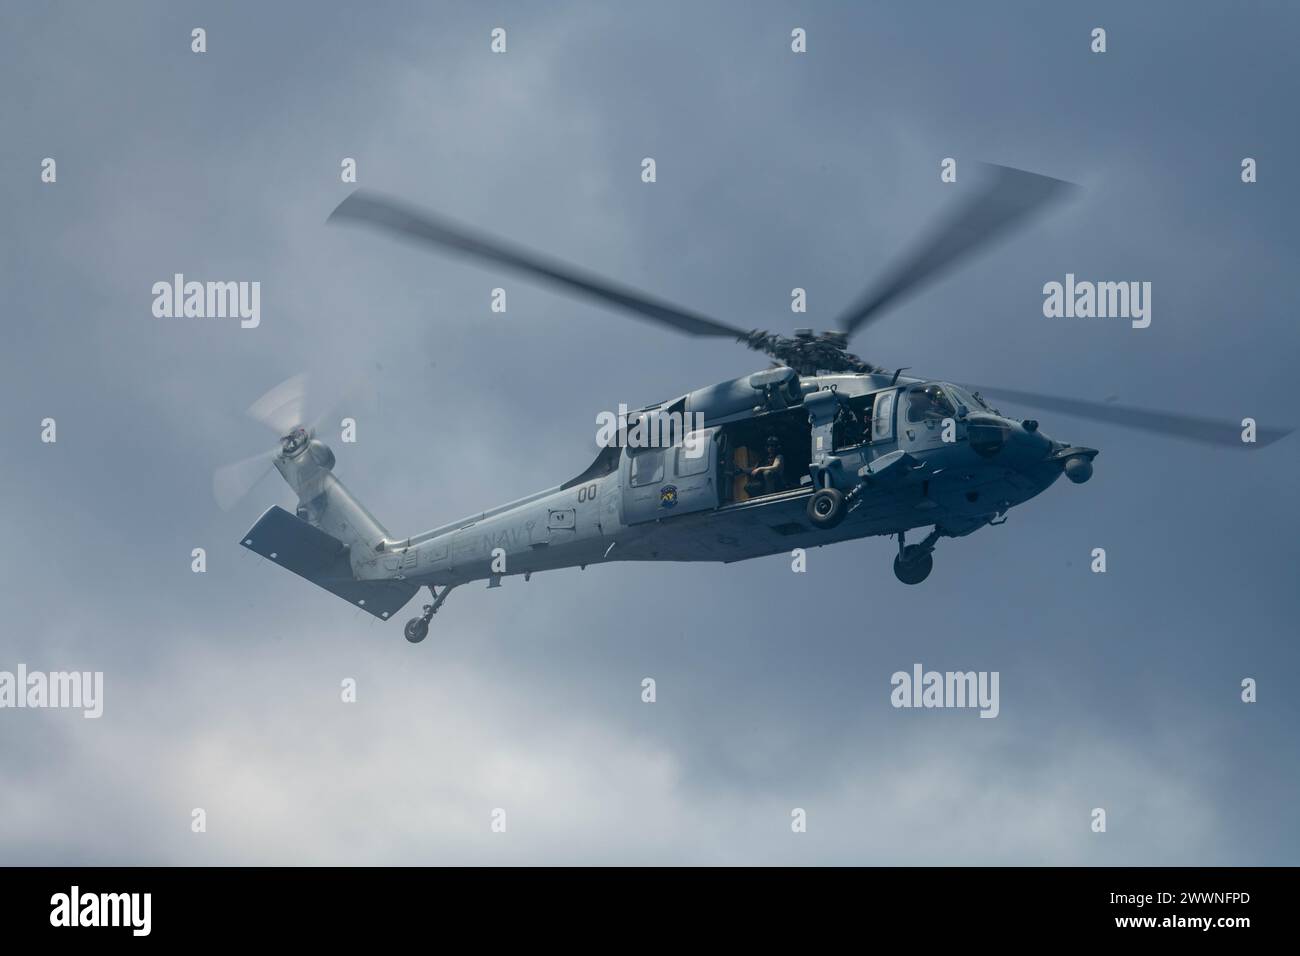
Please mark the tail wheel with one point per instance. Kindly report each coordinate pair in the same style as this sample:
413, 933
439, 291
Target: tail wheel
914, 565
417, 629
826, 508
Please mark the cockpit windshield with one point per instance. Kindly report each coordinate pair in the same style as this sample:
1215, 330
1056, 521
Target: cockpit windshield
970, 399
928, 403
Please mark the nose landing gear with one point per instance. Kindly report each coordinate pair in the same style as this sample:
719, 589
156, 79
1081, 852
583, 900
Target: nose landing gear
915, 561
417, 628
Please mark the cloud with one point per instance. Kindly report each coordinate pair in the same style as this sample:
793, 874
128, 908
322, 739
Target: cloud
411, 773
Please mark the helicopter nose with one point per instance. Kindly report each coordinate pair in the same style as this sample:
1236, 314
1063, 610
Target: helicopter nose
988, 435
1014, 443
1027, 445
991, 435
1075, 460
1078, 469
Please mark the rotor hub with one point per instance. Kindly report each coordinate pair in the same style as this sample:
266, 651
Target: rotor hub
807, 353
294, 442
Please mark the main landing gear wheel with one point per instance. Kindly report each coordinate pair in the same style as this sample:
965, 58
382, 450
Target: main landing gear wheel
826, 508
914, 564
417, 628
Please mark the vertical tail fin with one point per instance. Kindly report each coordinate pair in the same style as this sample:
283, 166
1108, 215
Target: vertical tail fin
325, 503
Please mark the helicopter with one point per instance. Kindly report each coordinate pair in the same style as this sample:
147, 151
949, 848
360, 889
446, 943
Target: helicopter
817, 448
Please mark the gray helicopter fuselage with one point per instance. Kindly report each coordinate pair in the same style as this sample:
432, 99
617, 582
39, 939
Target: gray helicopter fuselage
911, 471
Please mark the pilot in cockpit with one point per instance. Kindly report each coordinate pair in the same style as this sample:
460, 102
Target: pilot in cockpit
929, 404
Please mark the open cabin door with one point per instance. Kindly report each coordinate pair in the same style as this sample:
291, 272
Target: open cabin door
663, 482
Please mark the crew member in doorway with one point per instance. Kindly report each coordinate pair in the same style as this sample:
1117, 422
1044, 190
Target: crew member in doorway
772, 472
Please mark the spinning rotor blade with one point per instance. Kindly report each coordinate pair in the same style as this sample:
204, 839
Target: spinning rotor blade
1011, 198
281, 409
1189, 427
406, 221
344, 400
231, 482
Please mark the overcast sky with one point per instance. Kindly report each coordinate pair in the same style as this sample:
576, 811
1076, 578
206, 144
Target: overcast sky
775, 170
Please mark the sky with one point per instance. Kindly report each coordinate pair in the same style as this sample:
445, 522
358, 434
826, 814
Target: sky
775, 170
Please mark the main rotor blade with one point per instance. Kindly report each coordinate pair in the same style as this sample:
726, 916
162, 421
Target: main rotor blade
1189, 427
1010, 198
406, 221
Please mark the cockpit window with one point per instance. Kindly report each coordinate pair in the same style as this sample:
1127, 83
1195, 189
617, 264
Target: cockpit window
971, 400
927, 403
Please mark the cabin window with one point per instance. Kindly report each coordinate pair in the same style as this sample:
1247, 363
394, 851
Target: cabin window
693, 455
647, 467
882, 423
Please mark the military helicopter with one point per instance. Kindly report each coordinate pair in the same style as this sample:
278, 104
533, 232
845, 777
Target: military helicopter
818, 448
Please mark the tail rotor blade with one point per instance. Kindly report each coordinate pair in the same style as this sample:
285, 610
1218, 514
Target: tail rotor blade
344, 400
281, 409
231, 482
